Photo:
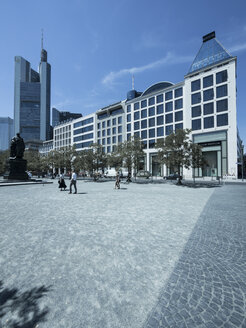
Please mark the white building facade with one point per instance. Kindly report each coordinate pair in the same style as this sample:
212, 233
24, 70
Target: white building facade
205, 102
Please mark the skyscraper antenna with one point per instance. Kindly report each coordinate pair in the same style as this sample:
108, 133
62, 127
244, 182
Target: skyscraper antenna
132, 82
42, 38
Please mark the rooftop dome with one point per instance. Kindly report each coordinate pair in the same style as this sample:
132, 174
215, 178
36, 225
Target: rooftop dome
156, 87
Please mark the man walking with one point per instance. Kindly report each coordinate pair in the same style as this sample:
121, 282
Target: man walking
73, 182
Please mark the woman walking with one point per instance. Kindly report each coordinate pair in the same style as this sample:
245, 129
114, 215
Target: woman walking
62, 182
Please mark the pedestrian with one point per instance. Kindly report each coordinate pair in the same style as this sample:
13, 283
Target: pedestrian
73, 182
62, 182
117, 181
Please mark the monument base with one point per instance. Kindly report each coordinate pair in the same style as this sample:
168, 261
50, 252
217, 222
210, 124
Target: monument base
17, 169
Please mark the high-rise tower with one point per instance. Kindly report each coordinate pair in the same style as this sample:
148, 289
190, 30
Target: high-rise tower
32, 99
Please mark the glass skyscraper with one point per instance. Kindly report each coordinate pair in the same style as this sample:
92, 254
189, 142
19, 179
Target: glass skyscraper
32, 99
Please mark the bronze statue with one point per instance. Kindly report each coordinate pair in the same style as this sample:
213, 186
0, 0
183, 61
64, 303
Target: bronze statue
17, 147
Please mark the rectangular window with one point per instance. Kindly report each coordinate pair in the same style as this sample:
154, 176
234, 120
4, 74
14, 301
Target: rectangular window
114, 139
136, 116
208, 81
160, 132
196, 111
136, 134
159, 109
108, 123
108, 149
108, 140
222, 105
222, 120
136, 125
103, 124
151, 101
128, 108
143, 113
144, 134
114, 130
178, 92
136, 106
168, 95
98, 134
179, 116
179, 103
159, 98
160, 120
152, 143
144, 144
169, 106
103, 141
103, 133
120, 129
196, 124
120, 120
208, 122
169, 129
195, 85
169, 118
143, 124
178, 126
128, 117
114, 121
196, 98
151, 111
98, 125
221, 91
221, 77
208, 94
151, 122
128, 136
208, 108
108, 132
120, 138
143, 103
151, 133
128, 127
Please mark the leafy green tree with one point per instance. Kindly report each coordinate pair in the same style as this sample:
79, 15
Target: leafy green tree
4, 156
33, 160
197, 159
175, 151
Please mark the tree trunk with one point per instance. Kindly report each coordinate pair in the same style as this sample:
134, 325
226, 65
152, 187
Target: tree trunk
179, 178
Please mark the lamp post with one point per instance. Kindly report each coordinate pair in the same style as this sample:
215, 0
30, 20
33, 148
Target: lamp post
241, 148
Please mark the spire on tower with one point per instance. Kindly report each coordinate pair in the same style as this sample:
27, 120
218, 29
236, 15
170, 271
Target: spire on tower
42, 39
43, 52
132, 82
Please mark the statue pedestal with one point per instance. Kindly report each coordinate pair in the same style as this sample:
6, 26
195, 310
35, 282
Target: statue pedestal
17, 169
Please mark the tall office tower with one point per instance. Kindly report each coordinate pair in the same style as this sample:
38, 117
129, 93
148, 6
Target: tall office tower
58, 117
32, 99
6, 132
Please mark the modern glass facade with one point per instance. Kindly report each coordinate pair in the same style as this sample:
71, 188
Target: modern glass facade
6, 132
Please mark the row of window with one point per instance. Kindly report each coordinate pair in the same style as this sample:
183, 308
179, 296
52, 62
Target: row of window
156, 100
108, 123
208, 81
208, 122
108, 131
63, 129
83, 137
208, 94
63, 136
158, 132
83, 130
159, 120
83, 144
84, 122
152, 111
112, 112
221, 106
110, 140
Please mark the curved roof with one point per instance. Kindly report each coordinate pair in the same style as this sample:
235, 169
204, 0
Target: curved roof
156, 87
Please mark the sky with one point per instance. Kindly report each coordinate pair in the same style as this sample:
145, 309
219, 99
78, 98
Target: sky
95, 46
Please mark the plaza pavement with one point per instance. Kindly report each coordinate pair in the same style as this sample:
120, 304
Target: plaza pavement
143, 256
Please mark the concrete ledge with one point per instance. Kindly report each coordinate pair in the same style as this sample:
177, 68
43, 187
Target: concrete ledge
21, 183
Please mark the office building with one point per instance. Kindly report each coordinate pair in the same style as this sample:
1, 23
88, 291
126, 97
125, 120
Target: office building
62, 116
6, 132
32, 99
204, 102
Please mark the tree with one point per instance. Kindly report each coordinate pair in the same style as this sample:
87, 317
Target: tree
174, 150
197, 159
4, 156
33, 160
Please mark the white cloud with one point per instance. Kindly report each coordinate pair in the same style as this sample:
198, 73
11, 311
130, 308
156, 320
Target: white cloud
169, 59
238, 47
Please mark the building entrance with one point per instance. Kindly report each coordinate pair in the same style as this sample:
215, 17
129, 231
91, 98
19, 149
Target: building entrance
210, 168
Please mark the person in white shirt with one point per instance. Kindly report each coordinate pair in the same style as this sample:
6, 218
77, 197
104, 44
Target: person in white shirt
73, 183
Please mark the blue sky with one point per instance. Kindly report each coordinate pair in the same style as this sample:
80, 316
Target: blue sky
94, 46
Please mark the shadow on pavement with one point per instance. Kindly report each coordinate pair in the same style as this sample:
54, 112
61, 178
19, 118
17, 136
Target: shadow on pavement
24, 307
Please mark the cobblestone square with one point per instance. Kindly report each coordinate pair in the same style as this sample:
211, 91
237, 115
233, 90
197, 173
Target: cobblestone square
154, 255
